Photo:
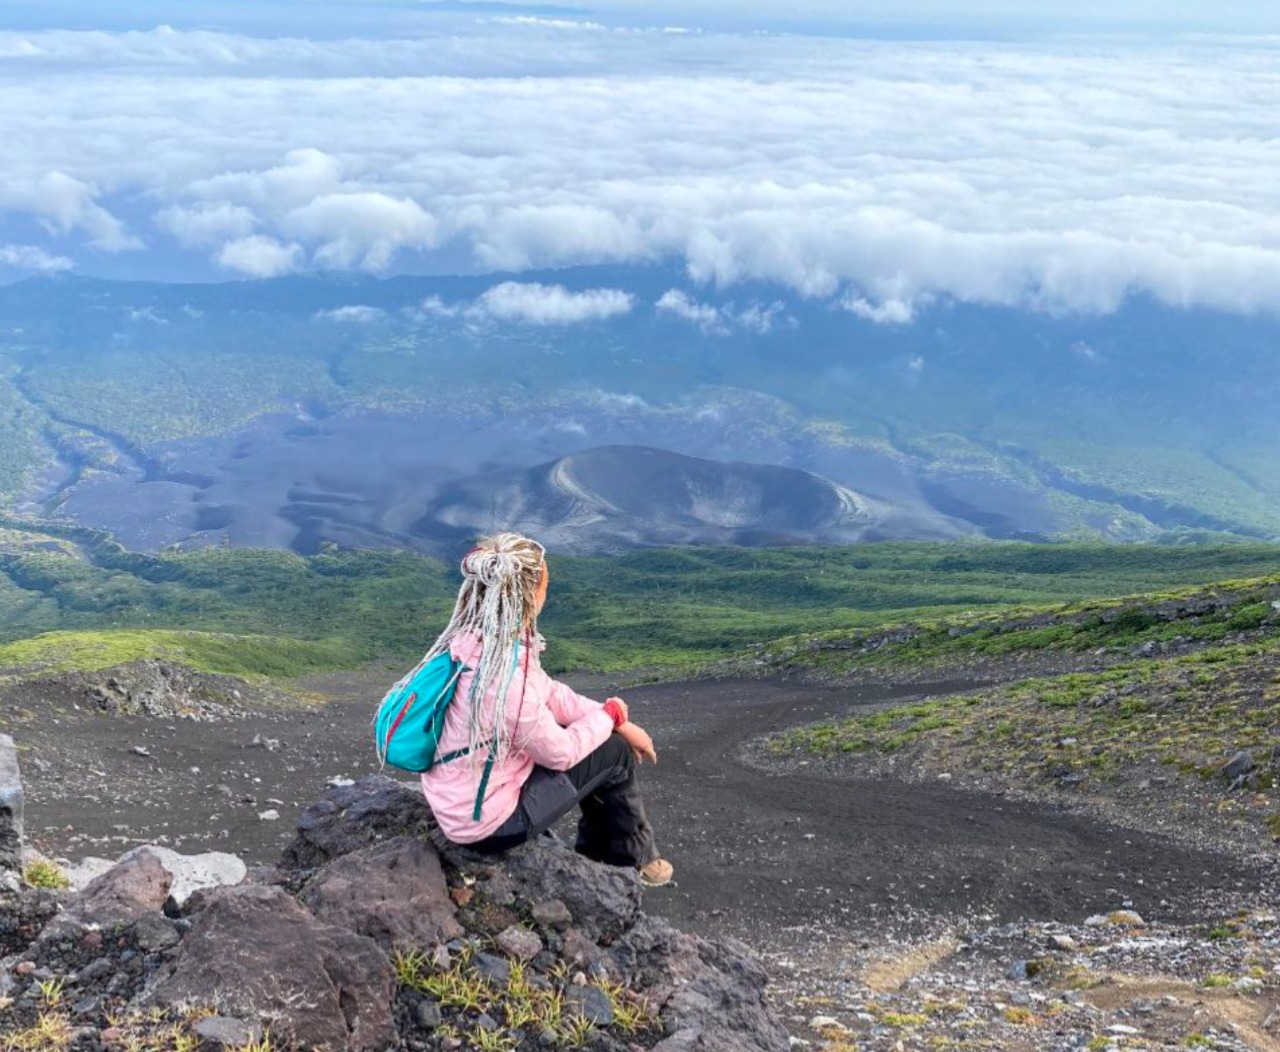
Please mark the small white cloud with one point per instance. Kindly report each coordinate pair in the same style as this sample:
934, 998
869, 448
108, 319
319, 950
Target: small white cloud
259, 257
1083, 350
887, 312
916, 364
149, 315
352, 315
32, 257
206, 225
552, 304
705, 316
760, 319
719, 321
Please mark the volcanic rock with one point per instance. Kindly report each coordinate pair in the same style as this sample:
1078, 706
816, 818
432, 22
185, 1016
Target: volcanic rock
254, 953
11, 804
392, 891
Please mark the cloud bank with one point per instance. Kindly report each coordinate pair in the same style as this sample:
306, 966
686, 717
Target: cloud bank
876, 174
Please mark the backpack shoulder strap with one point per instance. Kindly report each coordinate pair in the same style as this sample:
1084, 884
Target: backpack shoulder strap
493, 745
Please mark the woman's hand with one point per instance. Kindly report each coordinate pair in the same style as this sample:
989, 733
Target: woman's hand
640, 742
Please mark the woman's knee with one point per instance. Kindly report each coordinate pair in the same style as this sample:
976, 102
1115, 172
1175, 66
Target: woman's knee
619, 752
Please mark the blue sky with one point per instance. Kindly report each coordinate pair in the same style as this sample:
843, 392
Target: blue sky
1014, 160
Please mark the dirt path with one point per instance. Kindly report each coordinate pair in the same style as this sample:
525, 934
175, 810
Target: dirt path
757, 853
786, 850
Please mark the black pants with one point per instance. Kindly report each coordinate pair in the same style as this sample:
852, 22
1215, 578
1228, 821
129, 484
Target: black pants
613, 828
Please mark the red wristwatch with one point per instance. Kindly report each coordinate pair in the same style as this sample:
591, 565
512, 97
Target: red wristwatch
615, 713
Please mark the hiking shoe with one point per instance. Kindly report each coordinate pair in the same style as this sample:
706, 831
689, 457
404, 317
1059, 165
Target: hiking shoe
656, 873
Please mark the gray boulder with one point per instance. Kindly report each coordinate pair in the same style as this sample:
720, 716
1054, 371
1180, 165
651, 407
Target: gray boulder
190, 873
128, 890
256, 955
1238, 768
393, 892
349, 817
11, 804
710, 994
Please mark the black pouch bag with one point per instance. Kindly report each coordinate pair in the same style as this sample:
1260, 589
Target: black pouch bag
545, 798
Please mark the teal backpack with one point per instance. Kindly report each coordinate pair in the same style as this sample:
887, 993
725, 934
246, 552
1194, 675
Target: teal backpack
410, 720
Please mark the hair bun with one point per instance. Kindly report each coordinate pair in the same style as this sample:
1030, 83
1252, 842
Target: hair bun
490, 567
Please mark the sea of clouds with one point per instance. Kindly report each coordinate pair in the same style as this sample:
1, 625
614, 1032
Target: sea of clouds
880, 175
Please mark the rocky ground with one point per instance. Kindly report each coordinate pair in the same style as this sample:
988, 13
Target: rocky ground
894, 906
371, 933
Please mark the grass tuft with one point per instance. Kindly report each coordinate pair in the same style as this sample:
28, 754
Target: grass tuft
42, 873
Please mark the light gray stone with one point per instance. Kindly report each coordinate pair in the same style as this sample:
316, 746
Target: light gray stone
520, 943
11, 805
222, 1031
86, 871
552, 914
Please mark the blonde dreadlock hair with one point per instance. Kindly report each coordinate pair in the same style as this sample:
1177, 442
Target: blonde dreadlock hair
498, 602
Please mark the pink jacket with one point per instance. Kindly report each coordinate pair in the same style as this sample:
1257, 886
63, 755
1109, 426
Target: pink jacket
552, 726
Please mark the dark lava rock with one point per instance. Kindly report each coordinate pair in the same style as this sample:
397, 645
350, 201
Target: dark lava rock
154, 933
394, 892
23, 914
495, 969
1238, 767
604, 900
428, 1015
591, 1003
254, 953
709, 994
148, 687
347, 818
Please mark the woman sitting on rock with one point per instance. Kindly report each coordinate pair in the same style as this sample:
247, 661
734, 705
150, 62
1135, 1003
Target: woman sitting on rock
535, 749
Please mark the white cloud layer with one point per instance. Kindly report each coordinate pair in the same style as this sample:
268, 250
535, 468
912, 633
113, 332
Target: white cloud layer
1063, 176
538, 304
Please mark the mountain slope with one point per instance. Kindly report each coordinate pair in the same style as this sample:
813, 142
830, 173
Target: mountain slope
248, 411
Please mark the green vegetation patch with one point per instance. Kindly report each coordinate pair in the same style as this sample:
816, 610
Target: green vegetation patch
233, 655
671, 611
1183, 616
166, 392
1184, 717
